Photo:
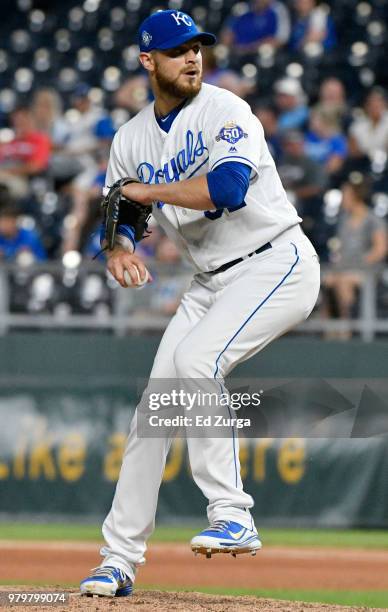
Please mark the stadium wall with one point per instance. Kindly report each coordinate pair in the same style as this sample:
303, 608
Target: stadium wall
66, 401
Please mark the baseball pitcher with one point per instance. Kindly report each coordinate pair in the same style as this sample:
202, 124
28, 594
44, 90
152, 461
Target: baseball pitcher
197, 159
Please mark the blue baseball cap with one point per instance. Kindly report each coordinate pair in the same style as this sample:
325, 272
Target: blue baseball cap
81, 91
169, 29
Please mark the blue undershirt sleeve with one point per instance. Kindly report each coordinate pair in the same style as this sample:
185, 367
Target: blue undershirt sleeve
125, 231
228, 184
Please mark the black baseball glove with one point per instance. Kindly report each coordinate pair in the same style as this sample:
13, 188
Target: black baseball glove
118, 210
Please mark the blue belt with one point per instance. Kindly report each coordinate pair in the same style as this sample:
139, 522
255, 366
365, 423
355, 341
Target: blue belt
228, 265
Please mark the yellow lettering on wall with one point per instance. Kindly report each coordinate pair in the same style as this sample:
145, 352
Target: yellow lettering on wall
71, 457
259, 464
244, 456
4, 471
291, 460
174, 460
114, 456
41, 461
19, 461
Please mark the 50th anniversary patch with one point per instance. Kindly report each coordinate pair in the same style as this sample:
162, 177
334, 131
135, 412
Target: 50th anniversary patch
231, 132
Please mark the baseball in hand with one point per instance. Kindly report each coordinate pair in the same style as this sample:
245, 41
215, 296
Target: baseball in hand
140, 283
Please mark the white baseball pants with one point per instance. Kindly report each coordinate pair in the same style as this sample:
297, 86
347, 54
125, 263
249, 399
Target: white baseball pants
223, 319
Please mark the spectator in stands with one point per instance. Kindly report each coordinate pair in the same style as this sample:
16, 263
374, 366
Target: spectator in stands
90, 136
222, 77
48, 116
290, 101
361, 244
26, 155
300, 174
268, 118
324, 141
332, 98
313, 24
304, 180
368, 134
16, 240
266, 22
168, 289
134, 94
90, 128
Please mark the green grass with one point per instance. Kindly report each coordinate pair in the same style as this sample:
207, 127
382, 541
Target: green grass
351, 538
371, 599
51, 531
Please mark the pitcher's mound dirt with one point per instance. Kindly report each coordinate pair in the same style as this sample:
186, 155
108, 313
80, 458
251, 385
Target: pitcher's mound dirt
150, 601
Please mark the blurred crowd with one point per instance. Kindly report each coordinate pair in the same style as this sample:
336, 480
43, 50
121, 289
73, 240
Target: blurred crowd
328, 138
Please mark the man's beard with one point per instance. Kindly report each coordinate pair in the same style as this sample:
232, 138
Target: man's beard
175, 89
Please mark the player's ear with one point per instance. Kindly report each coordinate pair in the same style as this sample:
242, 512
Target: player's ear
147, 61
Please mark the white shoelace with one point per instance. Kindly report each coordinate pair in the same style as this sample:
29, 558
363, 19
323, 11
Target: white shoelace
219, 525
107, 572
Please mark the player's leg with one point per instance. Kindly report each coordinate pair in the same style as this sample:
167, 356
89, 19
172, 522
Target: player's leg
131, 518
259, 300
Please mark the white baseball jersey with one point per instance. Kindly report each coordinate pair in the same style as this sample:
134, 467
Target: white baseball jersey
214, 127
223, 319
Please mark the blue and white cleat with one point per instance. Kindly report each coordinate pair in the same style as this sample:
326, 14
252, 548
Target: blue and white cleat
226, 537
106, 582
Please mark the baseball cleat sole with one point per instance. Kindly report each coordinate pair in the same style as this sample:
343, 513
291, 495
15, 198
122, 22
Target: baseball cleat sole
233, 550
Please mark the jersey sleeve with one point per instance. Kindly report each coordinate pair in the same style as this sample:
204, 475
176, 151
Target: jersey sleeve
116, 169
235, 134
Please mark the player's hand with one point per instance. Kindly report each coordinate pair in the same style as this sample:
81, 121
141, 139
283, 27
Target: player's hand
139, 192
120, 260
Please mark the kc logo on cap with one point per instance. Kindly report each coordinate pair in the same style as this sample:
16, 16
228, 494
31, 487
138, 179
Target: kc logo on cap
170, 29
182, 17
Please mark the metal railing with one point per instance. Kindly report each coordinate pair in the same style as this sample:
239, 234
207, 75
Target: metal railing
127, 310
